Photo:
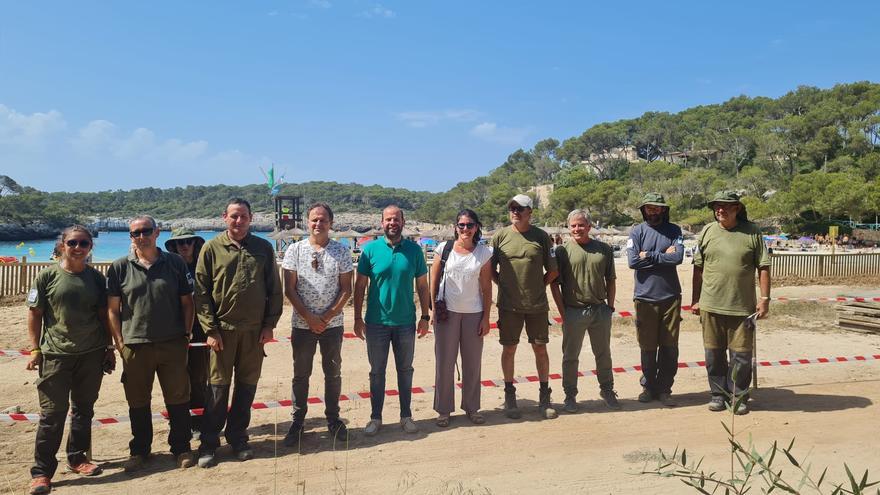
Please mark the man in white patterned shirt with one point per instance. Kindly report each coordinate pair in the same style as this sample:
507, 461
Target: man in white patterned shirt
317, 281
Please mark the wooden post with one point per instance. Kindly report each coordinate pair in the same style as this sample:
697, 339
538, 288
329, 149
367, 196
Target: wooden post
22, 276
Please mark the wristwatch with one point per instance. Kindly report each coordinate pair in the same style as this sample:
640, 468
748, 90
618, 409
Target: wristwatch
426, 317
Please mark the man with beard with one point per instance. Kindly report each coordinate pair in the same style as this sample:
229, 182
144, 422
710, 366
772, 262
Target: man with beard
654, 250
729, 251
239, 302
390, 265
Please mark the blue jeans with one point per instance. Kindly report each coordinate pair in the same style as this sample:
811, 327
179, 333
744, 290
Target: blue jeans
403, 342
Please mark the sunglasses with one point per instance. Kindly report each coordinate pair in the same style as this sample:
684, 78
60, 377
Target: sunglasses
468, 225
315, 262
185, 242
516, 209
134, 234
82, 243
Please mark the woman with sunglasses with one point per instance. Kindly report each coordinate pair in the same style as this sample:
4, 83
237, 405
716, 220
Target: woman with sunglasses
465, 289
69, 334
187, 244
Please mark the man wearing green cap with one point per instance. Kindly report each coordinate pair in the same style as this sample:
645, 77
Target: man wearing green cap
187, 244
654, 250
729, 251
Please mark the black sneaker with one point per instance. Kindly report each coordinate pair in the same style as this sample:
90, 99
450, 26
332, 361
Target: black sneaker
742, 409
717, 404
570, 405
294, 434
646, 396
544, 406
510, 408
610, 398
338, 431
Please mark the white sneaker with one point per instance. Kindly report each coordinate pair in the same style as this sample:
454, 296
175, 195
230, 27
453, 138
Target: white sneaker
409, 425
372, 427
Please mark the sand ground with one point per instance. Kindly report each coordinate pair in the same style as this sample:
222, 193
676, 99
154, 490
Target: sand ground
832, 410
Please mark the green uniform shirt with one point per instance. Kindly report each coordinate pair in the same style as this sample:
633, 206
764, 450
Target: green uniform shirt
237, 288
151, 309
70, 303
729, 259
583, 269
391, 271
521, 260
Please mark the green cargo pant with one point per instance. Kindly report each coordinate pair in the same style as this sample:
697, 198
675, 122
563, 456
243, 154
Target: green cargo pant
595, 320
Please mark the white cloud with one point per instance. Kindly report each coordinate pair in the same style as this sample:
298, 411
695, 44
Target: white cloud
490, 131
429, 118
29, 131
42, 151
320, 4
379, 11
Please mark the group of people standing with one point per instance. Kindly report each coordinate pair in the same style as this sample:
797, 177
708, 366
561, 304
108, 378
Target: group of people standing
225, 296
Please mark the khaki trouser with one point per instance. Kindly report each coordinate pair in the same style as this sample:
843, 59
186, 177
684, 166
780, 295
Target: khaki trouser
242, 353
595, 320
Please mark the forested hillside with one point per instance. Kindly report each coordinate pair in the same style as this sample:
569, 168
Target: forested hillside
804, 157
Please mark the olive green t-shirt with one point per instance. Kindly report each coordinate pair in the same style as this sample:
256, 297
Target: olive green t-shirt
70, 303
729, 259
521, 260
583, 269
151, 307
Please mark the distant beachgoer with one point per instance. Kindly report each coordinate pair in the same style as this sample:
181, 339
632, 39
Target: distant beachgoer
654, 250
465, 291
523, 263
69, 336
731, 249
239, 301
317, 281
151, 314
188, 245
390, 266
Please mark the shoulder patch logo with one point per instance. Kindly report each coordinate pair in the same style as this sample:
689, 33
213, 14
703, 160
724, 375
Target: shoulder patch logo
629, 243
32, 296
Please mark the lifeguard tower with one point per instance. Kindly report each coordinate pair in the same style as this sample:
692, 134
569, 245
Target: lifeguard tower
288, 217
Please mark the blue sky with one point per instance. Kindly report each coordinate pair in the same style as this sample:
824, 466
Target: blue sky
119, 95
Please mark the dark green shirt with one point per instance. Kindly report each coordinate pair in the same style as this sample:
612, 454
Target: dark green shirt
583, 269
391, 270
729, 259
238, 288
70, 303
521, 260
151, 308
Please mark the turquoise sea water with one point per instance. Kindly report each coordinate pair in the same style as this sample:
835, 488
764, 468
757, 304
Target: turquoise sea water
108, 246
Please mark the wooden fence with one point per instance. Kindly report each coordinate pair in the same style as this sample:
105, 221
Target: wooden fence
815, 265
16, 278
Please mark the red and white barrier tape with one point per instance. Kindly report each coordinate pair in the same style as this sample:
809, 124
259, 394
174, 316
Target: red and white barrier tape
620, 314
35, 418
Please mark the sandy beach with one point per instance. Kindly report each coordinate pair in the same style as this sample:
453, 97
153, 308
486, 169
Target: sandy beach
831, 409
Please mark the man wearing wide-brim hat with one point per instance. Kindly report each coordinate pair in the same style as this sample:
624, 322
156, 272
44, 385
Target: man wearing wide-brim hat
187, 244
729, 251
654, 250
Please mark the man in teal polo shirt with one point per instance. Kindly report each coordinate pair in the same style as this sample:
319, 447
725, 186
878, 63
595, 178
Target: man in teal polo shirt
390, 265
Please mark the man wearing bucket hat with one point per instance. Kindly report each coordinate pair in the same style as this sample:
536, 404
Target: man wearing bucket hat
729, 251
187, 244
654, 250
523, 263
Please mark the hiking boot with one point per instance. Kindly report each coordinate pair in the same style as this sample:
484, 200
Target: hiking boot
544, 406
666, 400
294, 434
85, 468
40, 485
338, 431
717, 404
372, 427
646, 396
510, 408
409, 425
185, 460
207, 458
742, 409
570, 406
610, 398
134, 463
244, 452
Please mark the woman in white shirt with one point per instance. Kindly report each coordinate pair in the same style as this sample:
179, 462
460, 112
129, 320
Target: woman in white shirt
466, 288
